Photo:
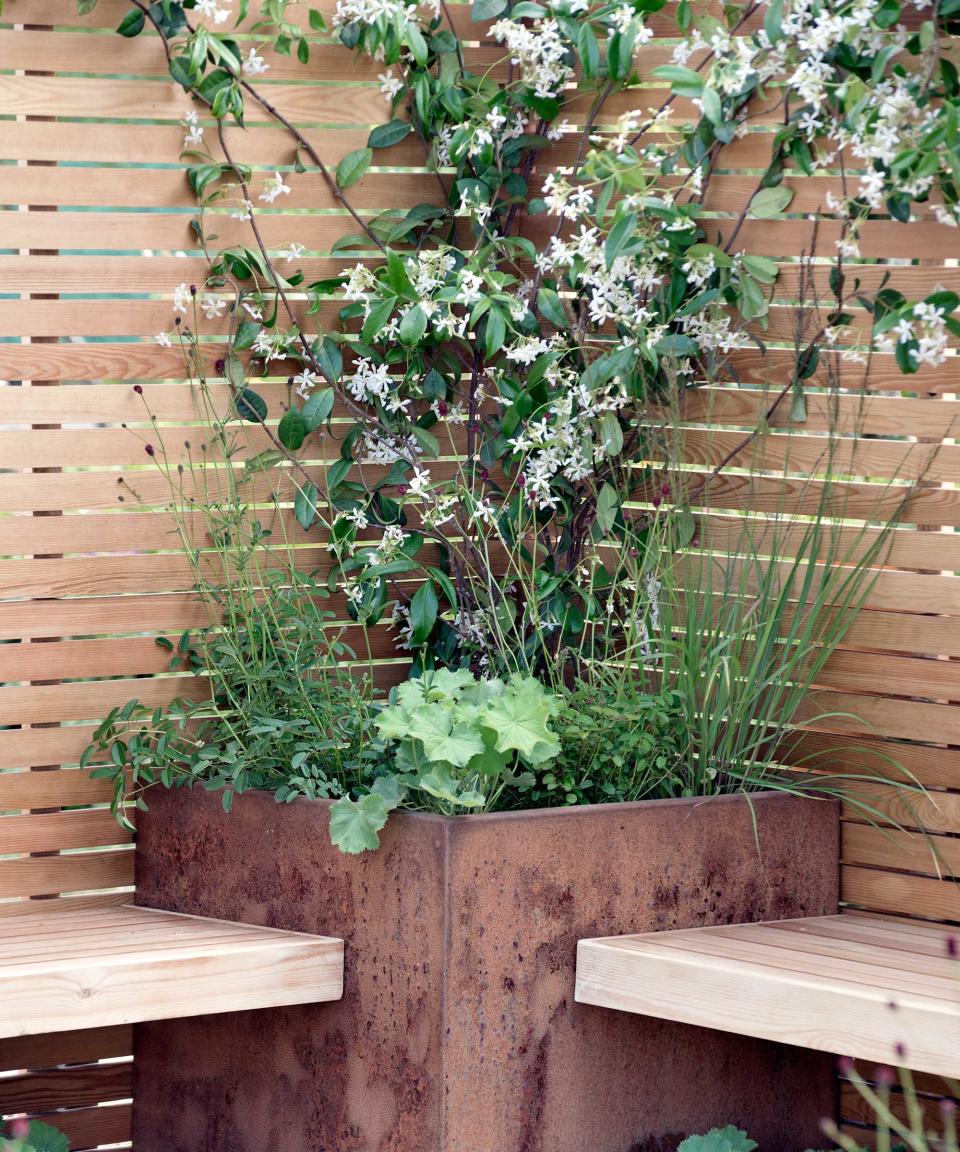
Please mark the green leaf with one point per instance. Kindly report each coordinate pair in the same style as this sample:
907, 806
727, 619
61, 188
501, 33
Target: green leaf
181, 72
807, 362
413, 325
761, 268
727, 1139
246, 335
496, 331
906, 362
417, 44
712, 105
619, 236
719, 257
251, 406
317, 21
550, 308
798, 404
751, 300
292, 430
329, 359
305, 505
608, 505
427, 441
353, 166
440, 783
379, 314
770, 202
686, 527
445, 584
354, 824
611, 434
317, 409
132, 23
520, 716
683, 81
443, 740
423, 613
589, 49
386, 135
487, 9
773, 21
899, 208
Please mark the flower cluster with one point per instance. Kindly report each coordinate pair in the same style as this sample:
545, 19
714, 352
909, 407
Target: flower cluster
540, 52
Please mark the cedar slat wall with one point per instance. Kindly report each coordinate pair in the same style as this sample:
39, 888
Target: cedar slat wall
113, 580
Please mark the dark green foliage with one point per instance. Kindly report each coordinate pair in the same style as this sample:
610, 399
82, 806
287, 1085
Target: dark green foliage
616, 747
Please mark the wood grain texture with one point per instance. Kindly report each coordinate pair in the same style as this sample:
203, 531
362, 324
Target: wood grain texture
66, 970
810, 982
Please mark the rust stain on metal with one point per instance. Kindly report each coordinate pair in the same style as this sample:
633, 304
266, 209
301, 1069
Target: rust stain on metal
458, 1031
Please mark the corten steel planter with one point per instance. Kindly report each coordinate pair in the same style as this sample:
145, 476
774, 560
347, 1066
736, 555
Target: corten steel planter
458, 1030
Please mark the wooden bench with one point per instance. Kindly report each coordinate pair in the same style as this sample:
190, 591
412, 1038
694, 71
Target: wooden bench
870, 987
65, 969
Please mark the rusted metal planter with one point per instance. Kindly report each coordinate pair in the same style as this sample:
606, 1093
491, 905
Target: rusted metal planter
458, 1030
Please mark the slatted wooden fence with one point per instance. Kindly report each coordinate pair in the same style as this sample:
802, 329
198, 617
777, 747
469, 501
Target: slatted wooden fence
94, 236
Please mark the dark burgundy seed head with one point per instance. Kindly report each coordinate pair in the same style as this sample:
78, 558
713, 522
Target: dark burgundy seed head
138, 388
150, 450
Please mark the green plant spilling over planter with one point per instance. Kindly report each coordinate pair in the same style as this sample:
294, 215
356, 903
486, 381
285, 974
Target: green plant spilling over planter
459, 742
502, 375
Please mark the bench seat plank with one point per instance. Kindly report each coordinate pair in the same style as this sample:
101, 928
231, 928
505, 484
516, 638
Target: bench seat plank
94, 967
875, 989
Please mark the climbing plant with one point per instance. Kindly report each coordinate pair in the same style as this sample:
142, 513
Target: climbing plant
494, 362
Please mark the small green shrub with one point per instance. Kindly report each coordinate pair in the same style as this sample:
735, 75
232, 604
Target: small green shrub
615, 745
283, 714
456, 744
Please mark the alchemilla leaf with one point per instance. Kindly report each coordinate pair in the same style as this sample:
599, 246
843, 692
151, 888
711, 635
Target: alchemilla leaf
354, 824
520, 717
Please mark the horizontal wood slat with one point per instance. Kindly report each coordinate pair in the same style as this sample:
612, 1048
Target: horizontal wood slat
77, 872
91, 1127
902, 895
84, 1046
66, 1087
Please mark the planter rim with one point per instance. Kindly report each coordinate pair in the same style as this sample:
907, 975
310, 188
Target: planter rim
761, 795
